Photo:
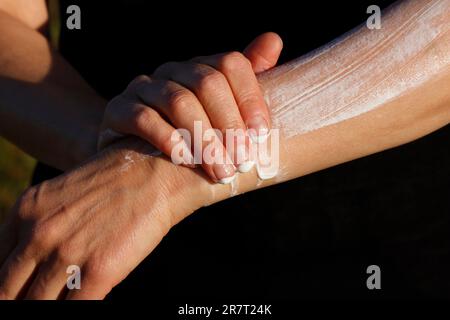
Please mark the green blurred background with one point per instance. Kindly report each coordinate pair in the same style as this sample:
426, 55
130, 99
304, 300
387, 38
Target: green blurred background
16, 169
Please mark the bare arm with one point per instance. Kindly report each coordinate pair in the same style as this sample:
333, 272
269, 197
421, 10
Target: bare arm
46, 108
365, 106
366, 92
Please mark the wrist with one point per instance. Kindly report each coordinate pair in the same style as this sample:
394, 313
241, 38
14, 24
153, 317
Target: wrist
177, 190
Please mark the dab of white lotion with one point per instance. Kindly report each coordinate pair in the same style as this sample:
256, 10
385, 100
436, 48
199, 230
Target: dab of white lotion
266, 155
131, 158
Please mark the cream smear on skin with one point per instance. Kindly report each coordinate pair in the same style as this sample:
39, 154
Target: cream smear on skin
132, 158
336, 85
356, 73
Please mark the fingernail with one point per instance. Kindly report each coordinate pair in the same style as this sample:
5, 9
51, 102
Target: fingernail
227, 180
258, 129
225, 173
244, 164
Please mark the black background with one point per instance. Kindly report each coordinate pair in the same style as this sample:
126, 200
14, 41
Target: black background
309, 238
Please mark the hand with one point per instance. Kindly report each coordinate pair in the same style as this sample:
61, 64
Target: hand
104, 217
220, 91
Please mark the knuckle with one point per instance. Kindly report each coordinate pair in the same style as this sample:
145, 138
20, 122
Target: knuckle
140, 80
27, 206
211, 81
25, 203
133, 87
234, 61
143, 119
179, 101
165, 68
29, 194
43, 235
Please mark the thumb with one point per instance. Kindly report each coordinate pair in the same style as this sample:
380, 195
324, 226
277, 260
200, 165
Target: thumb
264, 51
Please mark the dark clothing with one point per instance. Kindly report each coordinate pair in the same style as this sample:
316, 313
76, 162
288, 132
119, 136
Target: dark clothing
312, 237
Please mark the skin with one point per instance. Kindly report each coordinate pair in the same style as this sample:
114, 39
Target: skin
65, 220
59, 109
221, 91
72, 111
64, 116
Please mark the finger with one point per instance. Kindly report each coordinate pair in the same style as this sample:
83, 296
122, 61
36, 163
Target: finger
16, 274
242, 79
264, 51
184, 110
50, 281
135, 118
216, 97
210, 87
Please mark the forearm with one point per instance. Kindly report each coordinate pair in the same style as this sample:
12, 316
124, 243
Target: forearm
336, 105
355, 98
369, 91
46, 108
